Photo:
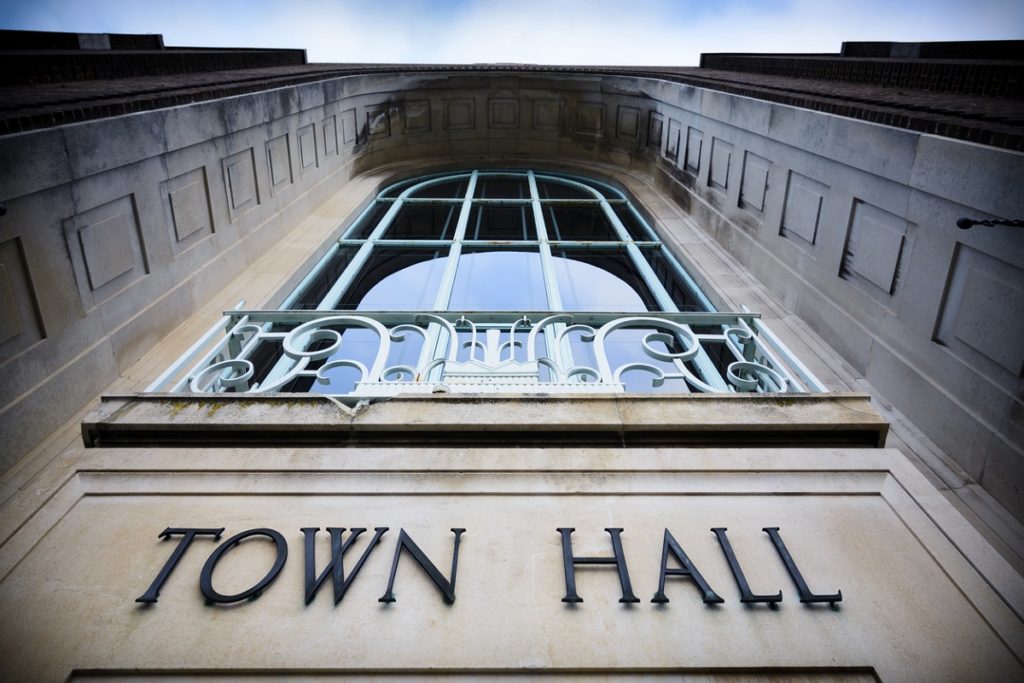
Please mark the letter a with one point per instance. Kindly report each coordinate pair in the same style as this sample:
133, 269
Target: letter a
687, 571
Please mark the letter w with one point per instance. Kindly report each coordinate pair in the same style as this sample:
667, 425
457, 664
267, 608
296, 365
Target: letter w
336, 567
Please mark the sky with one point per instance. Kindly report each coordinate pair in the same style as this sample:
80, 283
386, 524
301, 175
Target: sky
627, 32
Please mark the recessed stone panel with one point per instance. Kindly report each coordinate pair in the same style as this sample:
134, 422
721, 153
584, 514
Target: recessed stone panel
802, 208
188, 207
590, 118
279, 162
330, 128
19, 315
106, 249
754, 185
416, 116
874, 245
503, 112
547, 114
378, 122
348, 127
627, 124
721, 162
987, 300
240, 181
459, 114
674, 138
982, 316
307, 149
655, 130
10, 318
694, 147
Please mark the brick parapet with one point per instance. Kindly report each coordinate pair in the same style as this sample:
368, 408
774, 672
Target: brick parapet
988, 78
60, 66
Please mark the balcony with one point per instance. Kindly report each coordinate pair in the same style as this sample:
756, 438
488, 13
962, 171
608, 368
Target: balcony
360, 356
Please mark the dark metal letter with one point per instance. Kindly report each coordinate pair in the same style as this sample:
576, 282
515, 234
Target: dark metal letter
619, 560
335, 567
206, 578
189, 535
447, 588
805, 593
687, 570
745, 594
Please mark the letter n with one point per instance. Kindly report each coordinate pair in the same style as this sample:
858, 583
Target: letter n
446, 587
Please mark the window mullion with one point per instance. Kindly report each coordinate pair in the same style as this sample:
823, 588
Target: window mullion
562, 353
337, 290
444, 291
330, 301
435, 339
705, 366
547, 265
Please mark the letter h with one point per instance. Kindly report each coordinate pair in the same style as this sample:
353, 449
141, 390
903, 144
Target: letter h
618, 559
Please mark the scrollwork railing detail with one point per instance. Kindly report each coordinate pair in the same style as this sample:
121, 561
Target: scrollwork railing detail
371, 355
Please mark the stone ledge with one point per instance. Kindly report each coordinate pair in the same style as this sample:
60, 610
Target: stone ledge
988, 120
631, 420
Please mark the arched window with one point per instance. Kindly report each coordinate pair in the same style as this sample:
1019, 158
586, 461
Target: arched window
479, 281
500, 240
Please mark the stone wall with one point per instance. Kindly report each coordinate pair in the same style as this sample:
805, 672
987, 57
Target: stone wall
118, 229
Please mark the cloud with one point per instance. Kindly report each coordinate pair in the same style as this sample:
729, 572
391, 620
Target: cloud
535, 31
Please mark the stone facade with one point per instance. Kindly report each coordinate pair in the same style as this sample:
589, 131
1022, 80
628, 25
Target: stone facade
125, 237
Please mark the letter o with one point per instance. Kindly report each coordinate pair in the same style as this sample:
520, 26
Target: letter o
206, 578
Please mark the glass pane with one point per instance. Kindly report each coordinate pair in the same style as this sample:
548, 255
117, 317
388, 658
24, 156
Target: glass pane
397, 280
314, 292
626, 346
498, 281
500, 187
424, 222
578, 223
452, 189
363, 345
632, 222
548, 189
683, 297
489, 222
366, 226
265, 356
600, 280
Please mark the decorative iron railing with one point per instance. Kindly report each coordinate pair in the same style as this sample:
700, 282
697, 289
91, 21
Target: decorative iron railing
357, 355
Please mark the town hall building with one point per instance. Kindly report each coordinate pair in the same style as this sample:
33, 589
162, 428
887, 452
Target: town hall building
317, 371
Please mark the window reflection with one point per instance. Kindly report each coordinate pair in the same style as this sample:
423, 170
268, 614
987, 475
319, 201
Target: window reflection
397, 280
632, 223
314, 292
600, 280
682, 296
498, 281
